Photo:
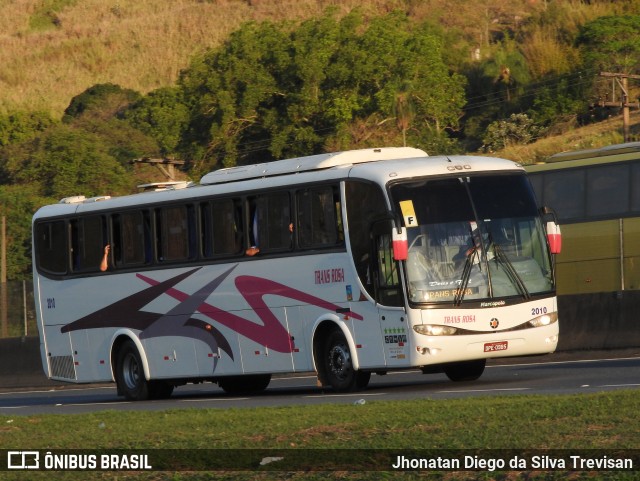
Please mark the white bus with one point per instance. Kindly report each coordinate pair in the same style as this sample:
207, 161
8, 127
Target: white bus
345, 264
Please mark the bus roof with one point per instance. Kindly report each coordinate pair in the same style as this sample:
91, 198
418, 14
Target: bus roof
579, 158
399, 163
310, 163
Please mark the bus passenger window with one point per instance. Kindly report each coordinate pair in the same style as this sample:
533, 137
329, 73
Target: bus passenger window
270, 222
318, 223
565, 191
608, 189
173, 233
635, 192
51, 246
221, 222
365, 202
88, 239
131, 239
389, 291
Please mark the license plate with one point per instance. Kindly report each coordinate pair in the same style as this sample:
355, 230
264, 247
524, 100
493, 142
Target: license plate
496, 346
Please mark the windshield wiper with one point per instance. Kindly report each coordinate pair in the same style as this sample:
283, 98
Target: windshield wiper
509, 269
466, 275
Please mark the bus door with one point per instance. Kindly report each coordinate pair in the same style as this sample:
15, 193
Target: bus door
389, 295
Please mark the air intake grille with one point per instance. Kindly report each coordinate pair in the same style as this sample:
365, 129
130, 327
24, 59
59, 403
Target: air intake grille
62, 366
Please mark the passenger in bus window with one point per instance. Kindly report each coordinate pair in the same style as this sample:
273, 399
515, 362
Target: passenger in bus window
254, 249
104, 265
253, 232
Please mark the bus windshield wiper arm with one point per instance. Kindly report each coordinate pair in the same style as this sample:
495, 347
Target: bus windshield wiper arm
510, 270
466, 275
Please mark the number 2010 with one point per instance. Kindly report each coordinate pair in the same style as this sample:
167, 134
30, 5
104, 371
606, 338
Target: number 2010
538, 311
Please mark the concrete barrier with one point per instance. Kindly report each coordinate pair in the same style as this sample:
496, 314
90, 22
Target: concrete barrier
20, 364
604, 320
587, 322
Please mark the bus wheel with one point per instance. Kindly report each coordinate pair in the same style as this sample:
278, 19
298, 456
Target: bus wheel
130, 373
339, 366
253, 383
465, 371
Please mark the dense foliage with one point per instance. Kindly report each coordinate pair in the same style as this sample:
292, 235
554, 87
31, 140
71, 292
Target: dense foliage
275, 90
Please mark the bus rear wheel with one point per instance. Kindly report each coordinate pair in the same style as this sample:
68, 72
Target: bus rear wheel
130, 373
465, 371
338, 365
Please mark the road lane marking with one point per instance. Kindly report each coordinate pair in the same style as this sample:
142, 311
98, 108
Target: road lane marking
213, 399
357, 394
486, 390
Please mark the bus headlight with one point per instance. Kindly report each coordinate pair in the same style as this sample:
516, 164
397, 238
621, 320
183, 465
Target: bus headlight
544, 320
434, 330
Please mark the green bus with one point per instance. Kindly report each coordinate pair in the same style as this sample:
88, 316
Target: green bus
596, 196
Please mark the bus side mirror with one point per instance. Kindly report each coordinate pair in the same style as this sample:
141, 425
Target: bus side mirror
400, 244
554, 236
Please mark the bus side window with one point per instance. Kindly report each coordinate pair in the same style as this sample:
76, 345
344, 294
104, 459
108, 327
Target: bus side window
221, 222
270, 222
174, 233
51, 246
131, 238
365, 202
388, 290
566, 190
318, 223
88, 239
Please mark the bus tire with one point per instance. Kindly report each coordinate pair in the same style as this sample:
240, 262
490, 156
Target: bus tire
338, 365
248, 384
465, 371
130, 373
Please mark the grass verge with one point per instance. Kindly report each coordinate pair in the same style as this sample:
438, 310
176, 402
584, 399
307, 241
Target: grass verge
603, 421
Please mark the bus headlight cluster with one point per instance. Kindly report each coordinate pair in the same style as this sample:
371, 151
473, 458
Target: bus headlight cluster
544, 320
434, 330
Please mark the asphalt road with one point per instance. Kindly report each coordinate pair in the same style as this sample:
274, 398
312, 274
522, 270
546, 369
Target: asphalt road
585, 372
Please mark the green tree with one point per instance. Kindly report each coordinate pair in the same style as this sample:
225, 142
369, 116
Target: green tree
66, 161
611, 43
102, 112
517, 129
230, 90
18, 203
270, 92
101, 101
19, 126
162, 115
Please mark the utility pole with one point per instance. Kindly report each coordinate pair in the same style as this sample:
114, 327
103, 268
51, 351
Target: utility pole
622, 79
166, 166
3, 278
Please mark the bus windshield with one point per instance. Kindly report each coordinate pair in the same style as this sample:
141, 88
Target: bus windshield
475, 238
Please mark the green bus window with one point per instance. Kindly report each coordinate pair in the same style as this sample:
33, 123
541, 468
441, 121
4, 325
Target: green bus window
608, 189
565, 192
635, 192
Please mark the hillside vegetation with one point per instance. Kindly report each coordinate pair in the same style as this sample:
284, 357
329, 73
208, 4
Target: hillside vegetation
87, 86
52, 50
